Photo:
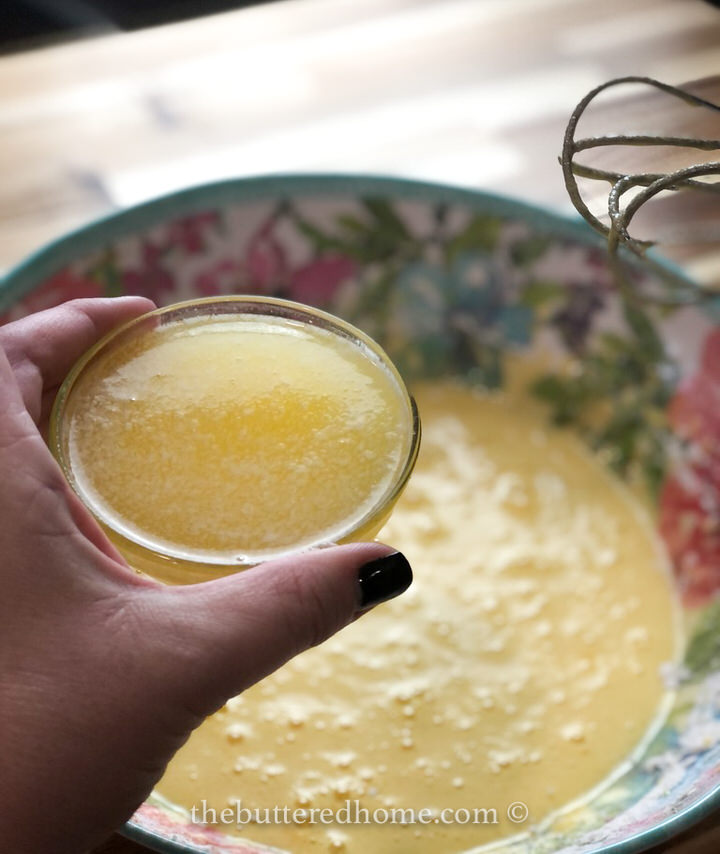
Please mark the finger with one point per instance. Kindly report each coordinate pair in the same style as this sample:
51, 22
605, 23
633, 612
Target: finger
43, 347
16, 426
232, 632
31, 480
33, 487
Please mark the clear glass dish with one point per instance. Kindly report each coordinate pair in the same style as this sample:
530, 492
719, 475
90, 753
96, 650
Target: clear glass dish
126, 370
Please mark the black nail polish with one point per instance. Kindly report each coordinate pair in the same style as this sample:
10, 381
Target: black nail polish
383, 578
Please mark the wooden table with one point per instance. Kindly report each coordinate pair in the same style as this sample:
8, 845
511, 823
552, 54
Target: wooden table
472, 92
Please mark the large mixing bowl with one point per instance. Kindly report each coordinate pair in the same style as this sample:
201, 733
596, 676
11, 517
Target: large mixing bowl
450, 281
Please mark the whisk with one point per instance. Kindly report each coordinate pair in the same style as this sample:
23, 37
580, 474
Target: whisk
630, 191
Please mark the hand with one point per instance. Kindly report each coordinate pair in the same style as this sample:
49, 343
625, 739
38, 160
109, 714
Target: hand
103, 673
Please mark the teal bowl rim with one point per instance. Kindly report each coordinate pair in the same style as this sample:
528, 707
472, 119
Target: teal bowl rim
20, 279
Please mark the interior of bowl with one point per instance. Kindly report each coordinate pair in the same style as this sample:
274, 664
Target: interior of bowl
451, 282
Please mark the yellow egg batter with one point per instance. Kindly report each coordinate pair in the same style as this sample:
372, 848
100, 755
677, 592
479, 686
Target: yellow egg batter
522, 666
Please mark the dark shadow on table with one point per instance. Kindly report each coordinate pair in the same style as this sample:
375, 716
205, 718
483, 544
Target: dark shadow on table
24, 23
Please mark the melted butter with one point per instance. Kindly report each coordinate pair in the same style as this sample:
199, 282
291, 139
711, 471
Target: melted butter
170, 433
522, 665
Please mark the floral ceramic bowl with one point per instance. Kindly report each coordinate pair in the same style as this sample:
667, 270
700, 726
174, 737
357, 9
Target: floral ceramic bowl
449, 281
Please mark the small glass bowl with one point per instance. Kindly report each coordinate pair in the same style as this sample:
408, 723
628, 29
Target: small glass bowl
166, 564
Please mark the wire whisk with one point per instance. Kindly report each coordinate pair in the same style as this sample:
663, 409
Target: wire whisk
630, 191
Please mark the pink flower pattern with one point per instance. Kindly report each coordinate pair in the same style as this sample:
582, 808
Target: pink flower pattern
690, 499
190, 232
266, 269
65, 285
265, 265
317, 281
151, 279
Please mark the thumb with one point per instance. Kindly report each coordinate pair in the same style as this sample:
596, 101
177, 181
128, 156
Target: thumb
230, 633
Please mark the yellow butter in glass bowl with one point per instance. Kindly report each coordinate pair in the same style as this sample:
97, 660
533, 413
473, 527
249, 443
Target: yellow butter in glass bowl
220, 433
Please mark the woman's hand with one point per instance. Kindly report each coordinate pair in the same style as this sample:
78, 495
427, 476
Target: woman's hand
103, 673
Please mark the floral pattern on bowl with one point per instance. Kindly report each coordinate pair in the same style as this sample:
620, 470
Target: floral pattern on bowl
449, 281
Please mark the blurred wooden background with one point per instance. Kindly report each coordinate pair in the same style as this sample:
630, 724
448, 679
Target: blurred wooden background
472, 92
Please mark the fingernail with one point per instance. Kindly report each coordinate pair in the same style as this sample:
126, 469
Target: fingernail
383, 579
